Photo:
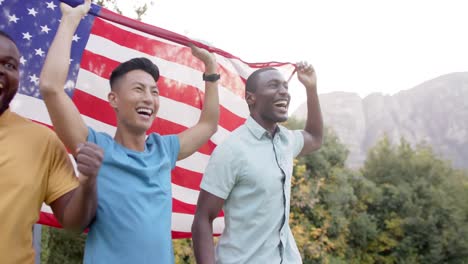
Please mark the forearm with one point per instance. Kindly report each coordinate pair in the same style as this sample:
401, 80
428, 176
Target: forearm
202, 237
314, 122
210, 110
55, 70
81, 207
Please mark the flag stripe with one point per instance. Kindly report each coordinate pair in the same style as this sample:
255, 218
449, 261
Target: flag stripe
186, 178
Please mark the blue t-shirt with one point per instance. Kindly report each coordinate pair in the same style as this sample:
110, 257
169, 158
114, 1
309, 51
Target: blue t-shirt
133, 218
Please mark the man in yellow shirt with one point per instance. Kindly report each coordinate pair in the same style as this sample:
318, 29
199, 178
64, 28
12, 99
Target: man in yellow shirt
35, 168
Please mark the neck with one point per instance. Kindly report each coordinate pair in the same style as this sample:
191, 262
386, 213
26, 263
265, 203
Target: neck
3, 110
130, 139
268, 125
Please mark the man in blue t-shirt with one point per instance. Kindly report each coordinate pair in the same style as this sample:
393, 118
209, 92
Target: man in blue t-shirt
133, 218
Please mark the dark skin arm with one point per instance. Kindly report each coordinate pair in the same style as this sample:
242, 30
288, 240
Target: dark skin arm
313, 131
76, 209
208, 207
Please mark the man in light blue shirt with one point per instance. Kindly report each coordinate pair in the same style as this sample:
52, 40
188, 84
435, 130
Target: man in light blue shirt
133, 218
250, 176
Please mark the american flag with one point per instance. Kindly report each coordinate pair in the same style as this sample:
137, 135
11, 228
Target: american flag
102, 41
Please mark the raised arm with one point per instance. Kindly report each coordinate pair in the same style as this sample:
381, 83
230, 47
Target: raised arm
313, 131
208, 207
65, 117
194, 137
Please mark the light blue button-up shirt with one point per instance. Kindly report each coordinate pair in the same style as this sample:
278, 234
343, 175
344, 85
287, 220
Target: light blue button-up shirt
251, 171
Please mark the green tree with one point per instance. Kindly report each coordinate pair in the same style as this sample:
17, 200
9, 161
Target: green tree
321, 198
404, 206
420, 211
59, 246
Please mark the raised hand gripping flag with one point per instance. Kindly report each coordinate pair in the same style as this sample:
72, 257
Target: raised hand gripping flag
102, 41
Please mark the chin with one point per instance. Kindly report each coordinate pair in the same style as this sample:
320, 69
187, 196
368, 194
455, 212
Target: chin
281, 119
5, 100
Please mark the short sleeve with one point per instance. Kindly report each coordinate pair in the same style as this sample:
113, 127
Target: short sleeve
297, 139
92, 137
172, 146
61, 176
221, 173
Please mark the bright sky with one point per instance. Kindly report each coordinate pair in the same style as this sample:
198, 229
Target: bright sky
360, 46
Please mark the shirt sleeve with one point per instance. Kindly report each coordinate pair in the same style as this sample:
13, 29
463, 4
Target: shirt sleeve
172, 145
61, 175
297, 142
221, 173
92, 137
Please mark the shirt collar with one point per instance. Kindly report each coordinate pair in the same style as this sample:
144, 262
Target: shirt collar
258, 131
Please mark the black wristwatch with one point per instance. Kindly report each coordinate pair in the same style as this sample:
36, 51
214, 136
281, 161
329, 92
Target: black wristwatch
211, 77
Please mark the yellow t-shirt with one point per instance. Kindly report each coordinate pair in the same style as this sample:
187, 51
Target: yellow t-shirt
34, 168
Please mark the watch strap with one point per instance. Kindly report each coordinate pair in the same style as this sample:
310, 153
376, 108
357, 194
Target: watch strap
211, 77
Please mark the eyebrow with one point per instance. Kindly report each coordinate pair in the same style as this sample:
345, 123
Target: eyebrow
142, 84
9, 57
276, 81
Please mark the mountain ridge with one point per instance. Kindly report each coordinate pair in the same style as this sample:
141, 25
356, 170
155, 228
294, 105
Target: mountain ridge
434, 112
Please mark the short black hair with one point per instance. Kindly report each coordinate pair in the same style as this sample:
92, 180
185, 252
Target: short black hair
143, 64
4, 34
251, 83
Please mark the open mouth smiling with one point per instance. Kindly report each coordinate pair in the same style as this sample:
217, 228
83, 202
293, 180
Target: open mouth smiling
147, 112
283, 103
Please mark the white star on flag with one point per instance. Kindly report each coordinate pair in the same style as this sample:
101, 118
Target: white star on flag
22, 60
39, 52
13, 18
51, 5
34, 79
27, 36
31, 11
1, 2
76, 38
45, 29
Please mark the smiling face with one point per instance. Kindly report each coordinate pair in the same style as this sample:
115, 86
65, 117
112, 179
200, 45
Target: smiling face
135, 98
9, 72
269, 101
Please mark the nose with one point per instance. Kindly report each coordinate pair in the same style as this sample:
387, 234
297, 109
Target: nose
284, 89
147, 97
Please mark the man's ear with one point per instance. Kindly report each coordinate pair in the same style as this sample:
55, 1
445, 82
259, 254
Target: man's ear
112, 98
250, 99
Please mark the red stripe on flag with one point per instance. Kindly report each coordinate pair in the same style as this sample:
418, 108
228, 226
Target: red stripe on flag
98, 64
187, 178
48, 219
176, 235
183, 208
